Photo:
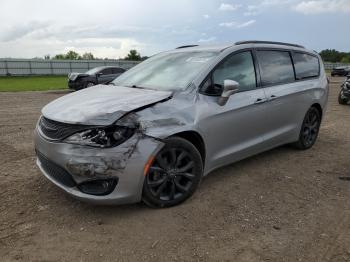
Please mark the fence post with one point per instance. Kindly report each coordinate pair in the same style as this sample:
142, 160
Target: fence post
51, 67
30, 67
6, 68
70, 66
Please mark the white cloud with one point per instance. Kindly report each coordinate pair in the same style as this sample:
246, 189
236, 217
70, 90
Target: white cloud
206, 40
17, 31
265, 5
237, 25
153, 26
114, 47
252, 10
43, 29
229, 7
323, 6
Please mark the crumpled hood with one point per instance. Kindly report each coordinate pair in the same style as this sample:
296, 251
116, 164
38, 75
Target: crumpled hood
101, 104
74, 76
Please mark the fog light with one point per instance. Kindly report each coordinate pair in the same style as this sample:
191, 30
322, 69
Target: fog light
100, 187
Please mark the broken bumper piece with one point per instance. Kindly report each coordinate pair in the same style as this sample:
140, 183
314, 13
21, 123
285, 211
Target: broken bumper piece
97, 175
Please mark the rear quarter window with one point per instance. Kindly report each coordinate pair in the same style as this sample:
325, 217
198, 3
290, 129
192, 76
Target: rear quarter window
306, 66
275, 67
118, 70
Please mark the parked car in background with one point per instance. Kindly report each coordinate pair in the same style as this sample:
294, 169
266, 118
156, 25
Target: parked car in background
340, 71
98, 75
156, 130
344, 94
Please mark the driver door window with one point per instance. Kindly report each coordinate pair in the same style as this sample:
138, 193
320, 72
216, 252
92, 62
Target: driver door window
238, 67
107, 71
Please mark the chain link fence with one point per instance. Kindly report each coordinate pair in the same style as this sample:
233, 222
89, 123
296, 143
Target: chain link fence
332, 65
25, 67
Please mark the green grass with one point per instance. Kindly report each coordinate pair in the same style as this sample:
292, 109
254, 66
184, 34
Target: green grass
32, 83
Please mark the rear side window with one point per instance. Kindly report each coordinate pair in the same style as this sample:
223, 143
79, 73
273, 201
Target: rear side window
107, 71
306, 66
118, 70
275, 67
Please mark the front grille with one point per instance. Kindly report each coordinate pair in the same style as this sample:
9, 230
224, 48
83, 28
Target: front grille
55, 172
56, 130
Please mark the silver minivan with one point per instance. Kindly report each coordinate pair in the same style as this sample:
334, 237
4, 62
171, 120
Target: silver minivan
155, 131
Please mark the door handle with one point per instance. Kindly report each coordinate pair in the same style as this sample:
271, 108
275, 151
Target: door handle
260, 101
273, 97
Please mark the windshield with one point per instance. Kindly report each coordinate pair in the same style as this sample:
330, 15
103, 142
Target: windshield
93, 71
167, 71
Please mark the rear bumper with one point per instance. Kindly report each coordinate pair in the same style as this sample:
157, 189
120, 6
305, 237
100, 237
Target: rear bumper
124, 163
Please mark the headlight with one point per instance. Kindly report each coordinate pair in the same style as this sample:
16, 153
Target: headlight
102, 137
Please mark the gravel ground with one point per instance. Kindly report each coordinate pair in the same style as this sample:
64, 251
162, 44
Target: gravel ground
282, 205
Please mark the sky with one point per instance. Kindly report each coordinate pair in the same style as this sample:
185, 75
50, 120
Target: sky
110, 28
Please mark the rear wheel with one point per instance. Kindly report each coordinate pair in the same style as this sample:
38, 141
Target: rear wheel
174, 174
309, 129
342, 100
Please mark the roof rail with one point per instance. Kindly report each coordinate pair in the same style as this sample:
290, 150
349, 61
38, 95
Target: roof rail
267, 42
185, 46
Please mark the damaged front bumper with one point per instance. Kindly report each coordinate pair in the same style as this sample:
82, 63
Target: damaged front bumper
70, 166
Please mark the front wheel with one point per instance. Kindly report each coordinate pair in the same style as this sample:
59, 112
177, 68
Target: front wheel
342, 100
174, 174
89, 84
309, 129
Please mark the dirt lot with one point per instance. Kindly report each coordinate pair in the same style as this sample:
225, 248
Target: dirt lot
282, 205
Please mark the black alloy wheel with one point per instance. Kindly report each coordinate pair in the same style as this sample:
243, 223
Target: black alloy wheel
174, 174
310, 128
341, 99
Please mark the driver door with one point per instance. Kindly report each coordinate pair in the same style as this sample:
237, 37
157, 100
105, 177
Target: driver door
105, 76
235, 130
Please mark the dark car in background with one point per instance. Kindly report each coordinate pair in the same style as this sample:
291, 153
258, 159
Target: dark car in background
340, 71
98, 75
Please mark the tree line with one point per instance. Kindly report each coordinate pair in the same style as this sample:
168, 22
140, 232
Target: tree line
334, 56
133, 55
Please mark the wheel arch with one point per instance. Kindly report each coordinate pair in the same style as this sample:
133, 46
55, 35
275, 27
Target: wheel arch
318, 107
196, 139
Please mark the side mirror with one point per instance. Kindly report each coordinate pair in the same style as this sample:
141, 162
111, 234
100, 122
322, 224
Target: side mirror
231, 87
99, 74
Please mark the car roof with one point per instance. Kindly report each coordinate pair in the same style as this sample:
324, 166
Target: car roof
104, 67
241, 45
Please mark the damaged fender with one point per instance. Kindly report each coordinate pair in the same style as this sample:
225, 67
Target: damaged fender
164, 119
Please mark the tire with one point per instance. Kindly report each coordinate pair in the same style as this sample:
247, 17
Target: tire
89, 84
309, 129
174, 174
342, 101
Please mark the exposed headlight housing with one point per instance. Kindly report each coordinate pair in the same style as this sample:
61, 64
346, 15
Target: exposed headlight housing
102, 136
